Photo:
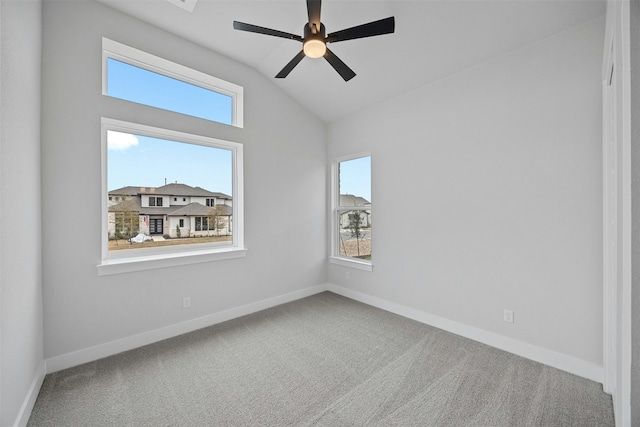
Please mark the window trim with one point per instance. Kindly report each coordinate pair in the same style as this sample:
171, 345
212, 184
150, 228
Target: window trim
334, 256
151, 258
138, 58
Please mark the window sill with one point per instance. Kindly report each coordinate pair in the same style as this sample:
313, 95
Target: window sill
346, 262
152, 262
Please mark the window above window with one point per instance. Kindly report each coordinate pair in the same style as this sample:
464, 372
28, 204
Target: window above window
137, 76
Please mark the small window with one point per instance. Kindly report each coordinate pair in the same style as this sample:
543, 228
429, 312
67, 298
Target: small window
181, 223
352, 212
140, 77
202, 223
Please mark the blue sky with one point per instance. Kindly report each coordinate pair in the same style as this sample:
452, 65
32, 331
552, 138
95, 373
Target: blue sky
141, 161
146, 162
355, 177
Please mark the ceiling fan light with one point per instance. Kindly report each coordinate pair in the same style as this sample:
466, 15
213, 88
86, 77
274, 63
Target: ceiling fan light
314, 48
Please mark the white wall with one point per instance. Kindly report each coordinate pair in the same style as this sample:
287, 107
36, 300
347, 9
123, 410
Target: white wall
284, 151
634, 26
496, 175
21, 357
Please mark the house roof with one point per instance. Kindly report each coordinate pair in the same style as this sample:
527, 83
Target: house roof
129, 205
192, 209
351, 200
126, 191
224, 210
177, 189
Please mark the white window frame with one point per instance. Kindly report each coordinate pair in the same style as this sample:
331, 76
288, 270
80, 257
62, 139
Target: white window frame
151, 258
127, 54
335, 257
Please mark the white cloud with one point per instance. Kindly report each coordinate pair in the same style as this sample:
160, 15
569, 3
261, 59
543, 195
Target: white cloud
120, 141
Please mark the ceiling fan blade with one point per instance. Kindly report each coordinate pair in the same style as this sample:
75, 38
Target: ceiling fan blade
290, 66
262, 30
345, 72
376, 28
313, 10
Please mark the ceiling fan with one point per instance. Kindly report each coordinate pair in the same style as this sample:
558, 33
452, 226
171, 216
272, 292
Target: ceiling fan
315, 42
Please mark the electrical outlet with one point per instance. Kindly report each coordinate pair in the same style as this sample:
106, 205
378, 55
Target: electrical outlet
186, 302
508, 315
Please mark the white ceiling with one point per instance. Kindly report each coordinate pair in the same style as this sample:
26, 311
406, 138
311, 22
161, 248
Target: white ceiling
433, 39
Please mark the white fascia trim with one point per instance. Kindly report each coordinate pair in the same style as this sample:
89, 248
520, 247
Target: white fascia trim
32, 395
100, 351
545, 356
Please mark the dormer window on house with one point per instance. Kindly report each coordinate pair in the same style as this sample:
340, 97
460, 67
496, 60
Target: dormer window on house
155, 201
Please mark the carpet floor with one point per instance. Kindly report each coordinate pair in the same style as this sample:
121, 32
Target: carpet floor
324, 360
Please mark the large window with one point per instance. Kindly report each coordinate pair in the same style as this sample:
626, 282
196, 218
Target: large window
352, 212
140, 77
167, 163
159, 185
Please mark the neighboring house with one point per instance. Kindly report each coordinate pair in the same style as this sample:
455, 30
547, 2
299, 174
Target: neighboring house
163, 210
357, 201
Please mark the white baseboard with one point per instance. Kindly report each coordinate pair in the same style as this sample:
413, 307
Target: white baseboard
32, 395
100, 351
539, 354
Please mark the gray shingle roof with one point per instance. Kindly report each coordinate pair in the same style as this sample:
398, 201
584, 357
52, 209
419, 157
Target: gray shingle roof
351, 200
129, 205
184, 190
176, 189
126, 191
192, 209
225, 210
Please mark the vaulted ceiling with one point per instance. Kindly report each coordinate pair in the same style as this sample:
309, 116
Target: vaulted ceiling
433, 39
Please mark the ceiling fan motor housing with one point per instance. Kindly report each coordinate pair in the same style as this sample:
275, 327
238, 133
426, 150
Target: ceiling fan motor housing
314, 44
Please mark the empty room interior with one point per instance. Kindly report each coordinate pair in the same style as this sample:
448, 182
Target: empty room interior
428, 194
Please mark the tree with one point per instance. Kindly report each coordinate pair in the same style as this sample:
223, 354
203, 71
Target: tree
177, 230
355, 227
127, 224
217, 219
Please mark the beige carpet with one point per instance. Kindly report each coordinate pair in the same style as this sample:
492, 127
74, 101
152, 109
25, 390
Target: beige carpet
324, 360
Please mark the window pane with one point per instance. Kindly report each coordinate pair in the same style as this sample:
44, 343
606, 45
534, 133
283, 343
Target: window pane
136, 84
354, 208
355, 180
355, 234
140, 167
